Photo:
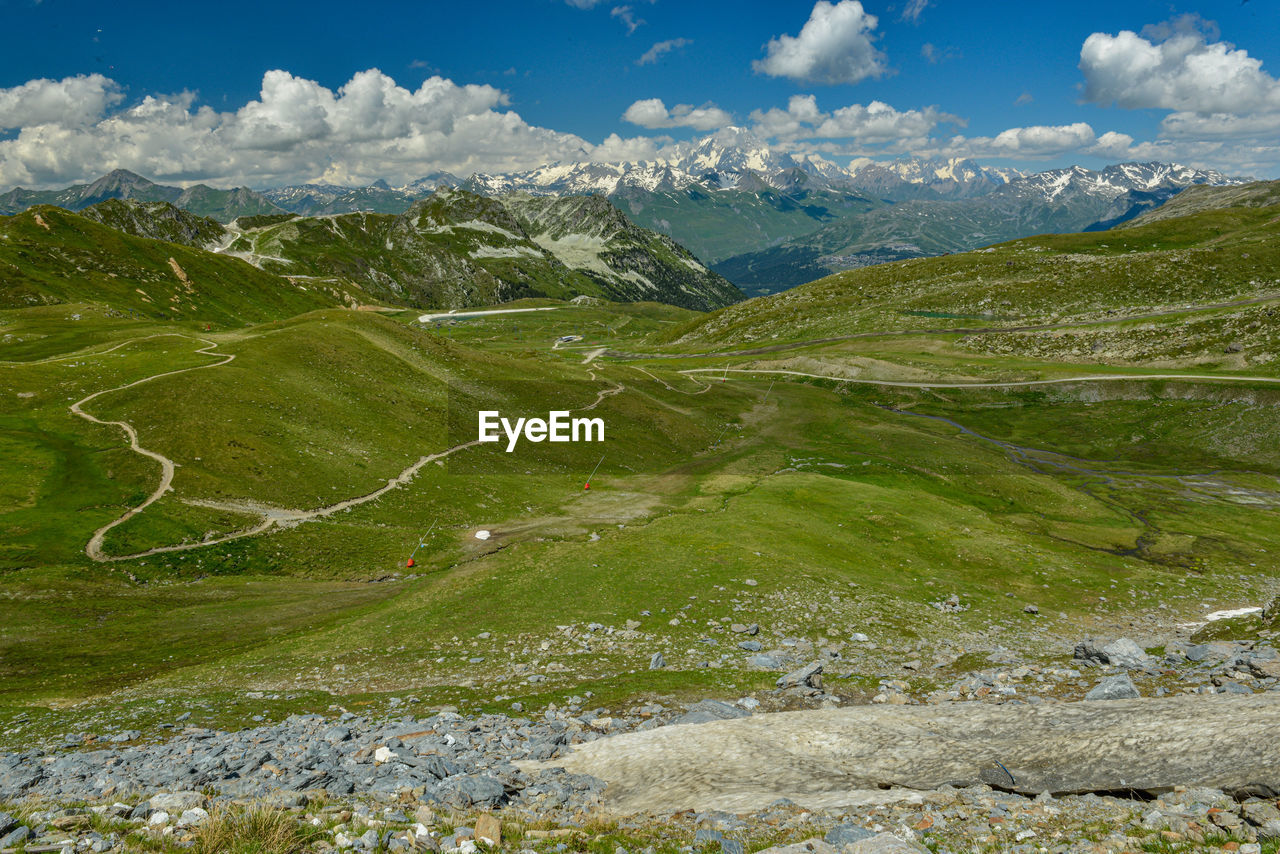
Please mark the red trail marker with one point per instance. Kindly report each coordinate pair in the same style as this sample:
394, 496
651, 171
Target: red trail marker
587, 486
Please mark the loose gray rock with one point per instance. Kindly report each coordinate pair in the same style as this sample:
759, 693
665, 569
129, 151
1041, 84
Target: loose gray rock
1197, 652
809, 675
885, 843
176, 802
711, 710
1089, 653
472, 791
657, 662
193, 817
1127, 654
750, 646
1118, 687
15, 837
817, 757
846, 834
7, 823
1230, 687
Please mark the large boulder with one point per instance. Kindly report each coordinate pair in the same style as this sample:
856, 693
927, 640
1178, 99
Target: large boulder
1118, 687
831, 758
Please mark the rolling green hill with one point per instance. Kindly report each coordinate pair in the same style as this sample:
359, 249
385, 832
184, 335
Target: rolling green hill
49, 256
1213, 256
313, 451
1193, 200
914, 229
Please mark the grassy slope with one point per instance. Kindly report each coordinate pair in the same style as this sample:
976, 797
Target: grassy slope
1213, 256
71, 259
850, 510
1193, 200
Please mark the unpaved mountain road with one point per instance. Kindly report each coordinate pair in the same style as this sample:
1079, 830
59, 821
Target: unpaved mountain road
94, 548
994, 384
839, 757
272, 517
948, 330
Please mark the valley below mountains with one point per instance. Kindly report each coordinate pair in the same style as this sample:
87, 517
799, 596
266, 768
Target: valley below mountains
955, 550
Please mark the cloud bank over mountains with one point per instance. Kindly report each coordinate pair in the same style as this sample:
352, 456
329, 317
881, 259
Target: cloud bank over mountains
1222, 111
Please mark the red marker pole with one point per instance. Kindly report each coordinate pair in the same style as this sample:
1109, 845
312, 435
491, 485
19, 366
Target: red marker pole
587, 486
410, 563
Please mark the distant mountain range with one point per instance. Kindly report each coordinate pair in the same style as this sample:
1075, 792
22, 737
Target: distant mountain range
1057, 201
764, 218
223, 205
450, 250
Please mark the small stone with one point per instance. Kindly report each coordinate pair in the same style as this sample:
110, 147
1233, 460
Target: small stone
846, 834
884, 843
1031, 609
657, 662
158, 818
193, 817
1127, 654
488, 829
15, 837
176, 801
1118, 687
810, 675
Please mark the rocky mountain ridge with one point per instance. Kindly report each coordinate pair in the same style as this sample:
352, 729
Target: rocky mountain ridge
451, 249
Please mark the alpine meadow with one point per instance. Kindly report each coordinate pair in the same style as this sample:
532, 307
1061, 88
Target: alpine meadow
800, 428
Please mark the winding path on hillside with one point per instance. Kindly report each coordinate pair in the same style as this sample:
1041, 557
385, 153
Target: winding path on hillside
279, 518
272, 517
94, 547
1000, 384
952, 330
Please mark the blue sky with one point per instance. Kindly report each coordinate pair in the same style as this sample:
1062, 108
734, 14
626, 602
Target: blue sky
177, 90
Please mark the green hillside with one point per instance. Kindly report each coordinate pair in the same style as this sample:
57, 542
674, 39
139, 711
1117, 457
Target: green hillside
1193, 200
1215, 256
49, 256
158, 221
794, 486
913, 229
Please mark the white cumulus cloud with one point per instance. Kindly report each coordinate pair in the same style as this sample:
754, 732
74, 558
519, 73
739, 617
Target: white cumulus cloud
835, 46
68, 102
295, 130
653, 113
873, 123
1182, 71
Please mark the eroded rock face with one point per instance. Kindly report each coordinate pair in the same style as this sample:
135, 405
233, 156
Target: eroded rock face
828, 758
